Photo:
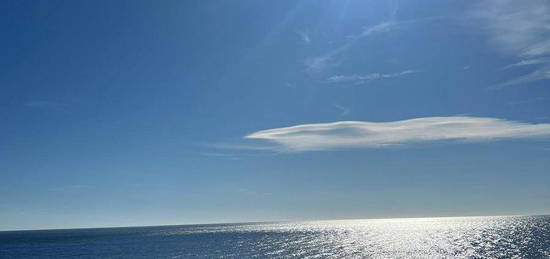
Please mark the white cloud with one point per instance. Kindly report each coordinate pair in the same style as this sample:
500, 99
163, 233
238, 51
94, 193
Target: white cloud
367, 77
221, 155
305, 37
517, 27
321, 62
343, 110
362, 134
316, 64
381, 27
527, 62
521, 29
538, 74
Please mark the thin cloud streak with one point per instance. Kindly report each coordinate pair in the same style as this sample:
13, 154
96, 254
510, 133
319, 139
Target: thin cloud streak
528, 62
343, 110
521, 29
329, 59
536, 75
304, 37
362, 134
318, 63
381, 27
367, 77
517, 27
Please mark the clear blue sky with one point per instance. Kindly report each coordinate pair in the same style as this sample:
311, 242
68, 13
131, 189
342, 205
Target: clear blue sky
119, 113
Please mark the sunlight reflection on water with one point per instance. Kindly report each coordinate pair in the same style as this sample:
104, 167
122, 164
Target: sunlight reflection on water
465, 237
415, 237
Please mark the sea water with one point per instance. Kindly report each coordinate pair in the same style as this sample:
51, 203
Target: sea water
459, 237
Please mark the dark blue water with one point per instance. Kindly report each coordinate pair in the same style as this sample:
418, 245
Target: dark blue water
469, 237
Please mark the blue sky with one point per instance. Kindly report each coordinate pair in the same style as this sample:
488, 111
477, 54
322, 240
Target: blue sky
118, 113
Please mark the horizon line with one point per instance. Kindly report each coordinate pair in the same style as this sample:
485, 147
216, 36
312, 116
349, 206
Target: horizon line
268, 222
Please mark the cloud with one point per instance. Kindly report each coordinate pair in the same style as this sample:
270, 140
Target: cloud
527, 62
321, 62
381, 27
536, 75
343, 110
517, 27
521, 29
316, 64
367, 77
362, 134
243, 146
305, 37
221, 155
329, 59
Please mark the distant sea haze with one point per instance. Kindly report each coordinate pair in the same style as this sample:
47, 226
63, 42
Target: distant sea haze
456, 237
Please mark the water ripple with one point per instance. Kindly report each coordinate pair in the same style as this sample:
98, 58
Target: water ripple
464, 237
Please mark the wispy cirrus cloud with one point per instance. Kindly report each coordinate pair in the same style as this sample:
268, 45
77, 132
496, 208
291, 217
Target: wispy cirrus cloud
528, 62
221, 155
330, 58
316, 64
326, 60
536, 75
378, 28
363, 134
521, 29
517, 27
358, 79
343, 109
304, 37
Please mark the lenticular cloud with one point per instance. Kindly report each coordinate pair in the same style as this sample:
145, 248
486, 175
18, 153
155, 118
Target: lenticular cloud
363, 134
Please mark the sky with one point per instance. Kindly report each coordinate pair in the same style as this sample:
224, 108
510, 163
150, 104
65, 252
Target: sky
123, 113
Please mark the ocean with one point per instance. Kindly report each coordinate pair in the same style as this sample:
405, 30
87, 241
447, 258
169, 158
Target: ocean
456, 237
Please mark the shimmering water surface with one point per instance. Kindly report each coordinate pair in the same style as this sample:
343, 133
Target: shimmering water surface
475, 237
